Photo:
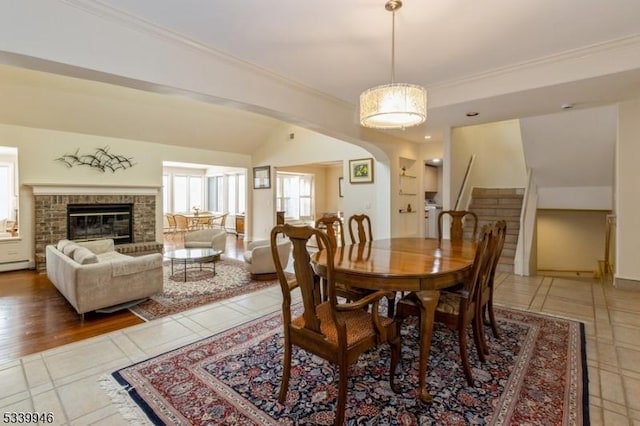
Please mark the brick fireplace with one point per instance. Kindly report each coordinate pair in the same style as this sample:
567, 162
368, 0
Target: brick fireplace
51, 205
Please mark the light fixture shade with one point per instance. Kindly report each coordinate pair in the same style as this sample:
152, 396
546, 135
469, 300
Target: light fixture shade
393, 106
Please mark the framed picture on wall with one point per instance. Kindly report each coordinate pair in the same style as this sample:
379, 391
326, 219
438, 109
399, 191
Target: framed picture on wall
361, 170
262, 177
341, 187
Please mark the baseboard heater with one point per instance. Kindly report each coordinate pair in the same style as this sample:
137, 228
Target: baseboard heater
15, 265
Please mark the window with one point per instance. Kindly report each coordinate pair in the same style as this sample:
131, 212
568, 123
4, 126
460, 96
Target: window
215, 202
8, 188
187, 193
295, 195
221, 191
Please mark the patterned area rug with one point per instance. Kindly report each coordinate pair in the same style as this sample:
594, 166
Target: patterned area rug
200, 288
535, 374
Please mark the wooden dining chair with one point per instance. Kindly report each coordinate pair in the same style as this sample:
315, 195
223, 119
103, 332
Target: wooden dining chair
457, 310
487, 316
182, 224
171, 221
336, 332
203, 221
362, 223
219, 221
458, 219
332, 227
362, 234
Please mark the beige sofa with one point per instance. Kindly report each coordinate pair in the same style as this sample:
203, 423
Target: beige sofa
259, 259
206, 238
92, 275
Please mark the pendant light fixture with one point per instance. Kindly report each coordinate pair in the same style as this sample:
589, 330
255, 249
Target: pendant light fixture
395, 105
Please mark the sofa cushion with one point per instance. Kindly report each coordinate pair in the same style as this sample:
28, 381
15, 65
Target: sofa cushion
84, 256
63, 243
69, 249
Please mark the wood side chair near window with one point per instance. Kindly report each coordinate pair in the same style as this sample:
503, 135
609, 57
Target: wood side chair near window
363, 234
362, 224
333, 228
336, 332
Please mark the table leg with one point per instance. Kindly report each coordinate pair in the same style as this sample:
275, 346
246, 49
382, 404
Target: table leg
185, 270
428, 301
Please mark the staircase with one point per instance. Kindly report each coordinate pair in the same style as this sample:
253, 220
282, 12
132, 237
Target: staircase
492, 204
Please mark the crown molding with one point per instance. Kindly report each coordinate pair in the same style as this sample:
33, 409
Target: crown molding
624, 43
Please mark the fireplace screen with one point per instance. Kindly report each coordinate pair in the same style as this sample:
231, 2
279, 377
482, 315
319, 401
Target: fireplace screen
94, 221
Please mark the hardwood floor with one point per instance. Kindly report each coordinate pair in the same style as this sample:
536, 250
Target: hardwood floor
34, 316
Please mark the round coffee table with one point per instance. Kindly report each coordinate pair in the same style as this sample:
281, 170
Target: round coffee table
187, 256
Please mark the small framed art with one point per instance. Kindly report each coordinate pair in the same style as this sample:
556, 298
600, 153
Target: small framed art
262, 177
361, 170
341, 187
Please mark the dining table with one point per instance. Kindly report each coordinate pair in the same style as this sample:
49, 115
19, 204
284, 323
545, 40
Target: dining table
196, 220
421, 265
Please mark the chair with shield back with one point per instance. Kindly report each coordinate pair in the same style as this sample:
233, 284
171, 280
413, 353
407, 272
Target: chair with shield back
336, 332
332, 227
458, 220
487, 316
457, 309
363, 234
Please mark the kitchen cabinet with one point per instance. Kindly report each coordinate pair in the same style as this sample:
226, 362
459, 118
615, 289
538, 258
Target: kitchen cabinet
430, 179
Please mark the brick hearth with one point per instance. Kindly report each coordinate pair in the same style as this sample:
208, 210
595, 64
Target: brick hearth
51, 221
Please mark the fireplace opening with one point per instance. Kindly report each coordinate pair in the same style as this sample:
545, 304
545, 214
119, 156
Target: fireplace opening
87, 222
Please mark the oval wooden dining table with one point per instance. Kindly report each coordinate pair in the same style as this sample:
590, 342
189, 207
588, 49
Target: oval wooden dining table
423, 265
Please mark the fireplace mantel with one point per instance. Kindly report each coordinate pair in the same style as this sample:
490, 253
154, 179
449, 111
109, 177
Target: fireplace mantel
80, 189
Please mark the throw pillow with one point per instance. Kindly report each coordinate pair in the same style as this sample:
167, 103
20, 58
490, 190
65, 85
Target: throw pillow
84, 256
69, 249
63, 243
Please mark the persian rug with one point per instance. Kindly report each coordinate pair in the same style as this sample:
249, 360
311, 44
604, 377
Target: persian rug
200, 288
535, 374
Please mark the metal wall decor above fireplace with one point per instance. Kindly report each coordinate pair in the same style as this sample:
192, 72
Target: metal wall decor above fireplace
94, 221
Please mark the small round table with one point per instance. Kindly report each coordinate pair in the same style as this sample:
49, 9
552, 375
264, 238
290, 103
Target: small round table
193, 255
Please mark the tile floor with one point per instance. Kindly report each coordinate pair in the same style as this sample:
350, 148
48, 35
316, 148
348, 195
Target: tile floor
64, 380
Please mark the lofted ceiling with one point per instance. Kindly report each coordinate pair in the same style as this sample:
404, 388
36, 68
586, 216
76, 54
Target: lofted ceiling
339, 49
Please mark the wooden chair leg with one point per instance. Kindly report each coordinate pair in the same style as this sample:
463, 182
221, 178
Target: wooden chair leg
286, 373
478, 336
342, 392
492, 320
464, 355
391, 305
395, 357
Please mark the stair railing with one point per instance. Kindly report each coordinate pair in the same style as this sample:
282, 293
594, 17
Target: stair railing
522, 259
465, 182
609, 248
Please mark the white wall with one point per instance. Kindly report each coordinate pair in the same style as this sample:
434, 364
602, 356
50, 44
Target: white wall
570, 240
499, 157
627, 201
